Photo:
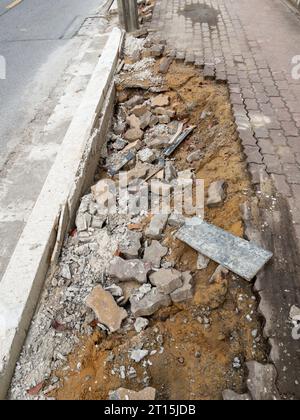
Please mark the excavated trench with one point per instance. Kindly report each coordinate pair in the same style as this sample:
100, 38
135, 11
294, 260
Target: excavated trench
198, 348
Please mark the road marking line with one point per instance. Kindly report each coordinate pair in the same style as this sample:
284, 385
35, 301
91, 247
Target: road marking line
13, 4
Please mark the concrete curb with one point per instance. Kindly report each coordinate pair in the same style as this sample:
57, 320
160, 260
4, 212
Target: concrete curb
41, 240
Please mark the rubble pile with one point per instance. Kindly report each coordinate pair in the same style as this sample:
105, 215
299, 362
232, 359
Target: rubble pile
118, 273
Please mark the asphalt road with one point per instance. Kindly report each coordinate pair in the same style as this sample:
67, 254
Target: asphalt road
34, 40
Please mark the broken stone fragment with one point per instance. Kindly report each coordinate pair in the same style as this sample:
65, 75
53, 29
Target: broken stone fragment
219, 275
139, 110
229, 395
128, 288
119, 144
145, 120
157, 226
129, 395
295, 313
261, 382
106, 309
160, 100
194, 156
154, 254
164, 111
161, 188
130, 245
176, 220
127, 270
134, 101
133, 134
159, 142
185, 292
150, 303
202, 262
166, 281
165, 65
170, 172
133, 122
138, 355
146, 155
83, 221
141, 324
153, 120
216, 193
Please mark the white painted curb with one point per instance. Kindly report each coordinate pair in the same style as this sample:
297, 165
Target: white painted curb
51, 217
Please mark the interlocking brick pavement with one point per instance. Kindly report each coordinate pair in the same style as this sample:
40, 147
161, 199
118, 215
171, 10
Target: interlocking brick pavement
250, 46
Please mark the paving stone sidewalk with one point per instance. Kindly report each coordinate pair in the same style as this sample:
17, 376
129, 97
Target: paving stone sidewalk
250, 46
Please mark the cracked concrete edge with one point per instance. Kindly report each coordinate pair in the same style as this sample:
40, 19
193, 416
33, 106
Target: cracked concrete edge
41, 240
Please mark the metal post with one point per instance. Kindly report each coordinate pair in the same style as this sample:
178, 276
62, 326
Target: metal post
128, 15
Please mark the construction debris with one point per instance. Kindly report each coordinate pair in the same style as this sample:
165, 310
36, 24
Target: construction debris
150, 303
185, 292
171, 149
166, 281
154, 254
237, 255
157, 226
106, 309
262, 382
216, 193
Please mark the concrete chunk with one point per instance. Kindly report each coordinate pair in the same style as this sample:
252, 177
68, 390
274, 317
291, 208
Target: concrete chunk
146, 155
262, 382
216, 193
106, 309
170, 172
241, 257
154, 254
176, 220
150, 303
185, 292
123, 270
133, 121
165, 65
129, 395
133, 134
166, 281
157, 226
160, 100
141, 324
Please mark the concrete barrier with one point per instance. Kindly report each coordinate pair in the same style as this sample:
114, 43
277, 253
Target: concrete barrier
52, 216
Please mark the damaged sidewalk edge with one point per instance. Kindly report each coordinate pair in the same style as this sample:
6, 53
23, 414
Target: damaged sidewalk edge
24, 278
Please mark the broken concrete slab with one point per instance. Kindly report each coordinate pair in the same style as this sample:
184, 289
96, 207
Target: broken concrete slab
130, 245
150, 303
113, 170
261, 382
146, 155
217, 193
166, 281
186, 291
106, 309
241, 257
160, 101
154, 254
127, 270
229, 395
157, 226
129, 395
141, 324
83, 221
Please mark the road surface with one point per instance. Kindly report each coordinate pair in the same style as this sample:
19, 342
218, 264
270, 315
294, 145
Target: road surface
50, 48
